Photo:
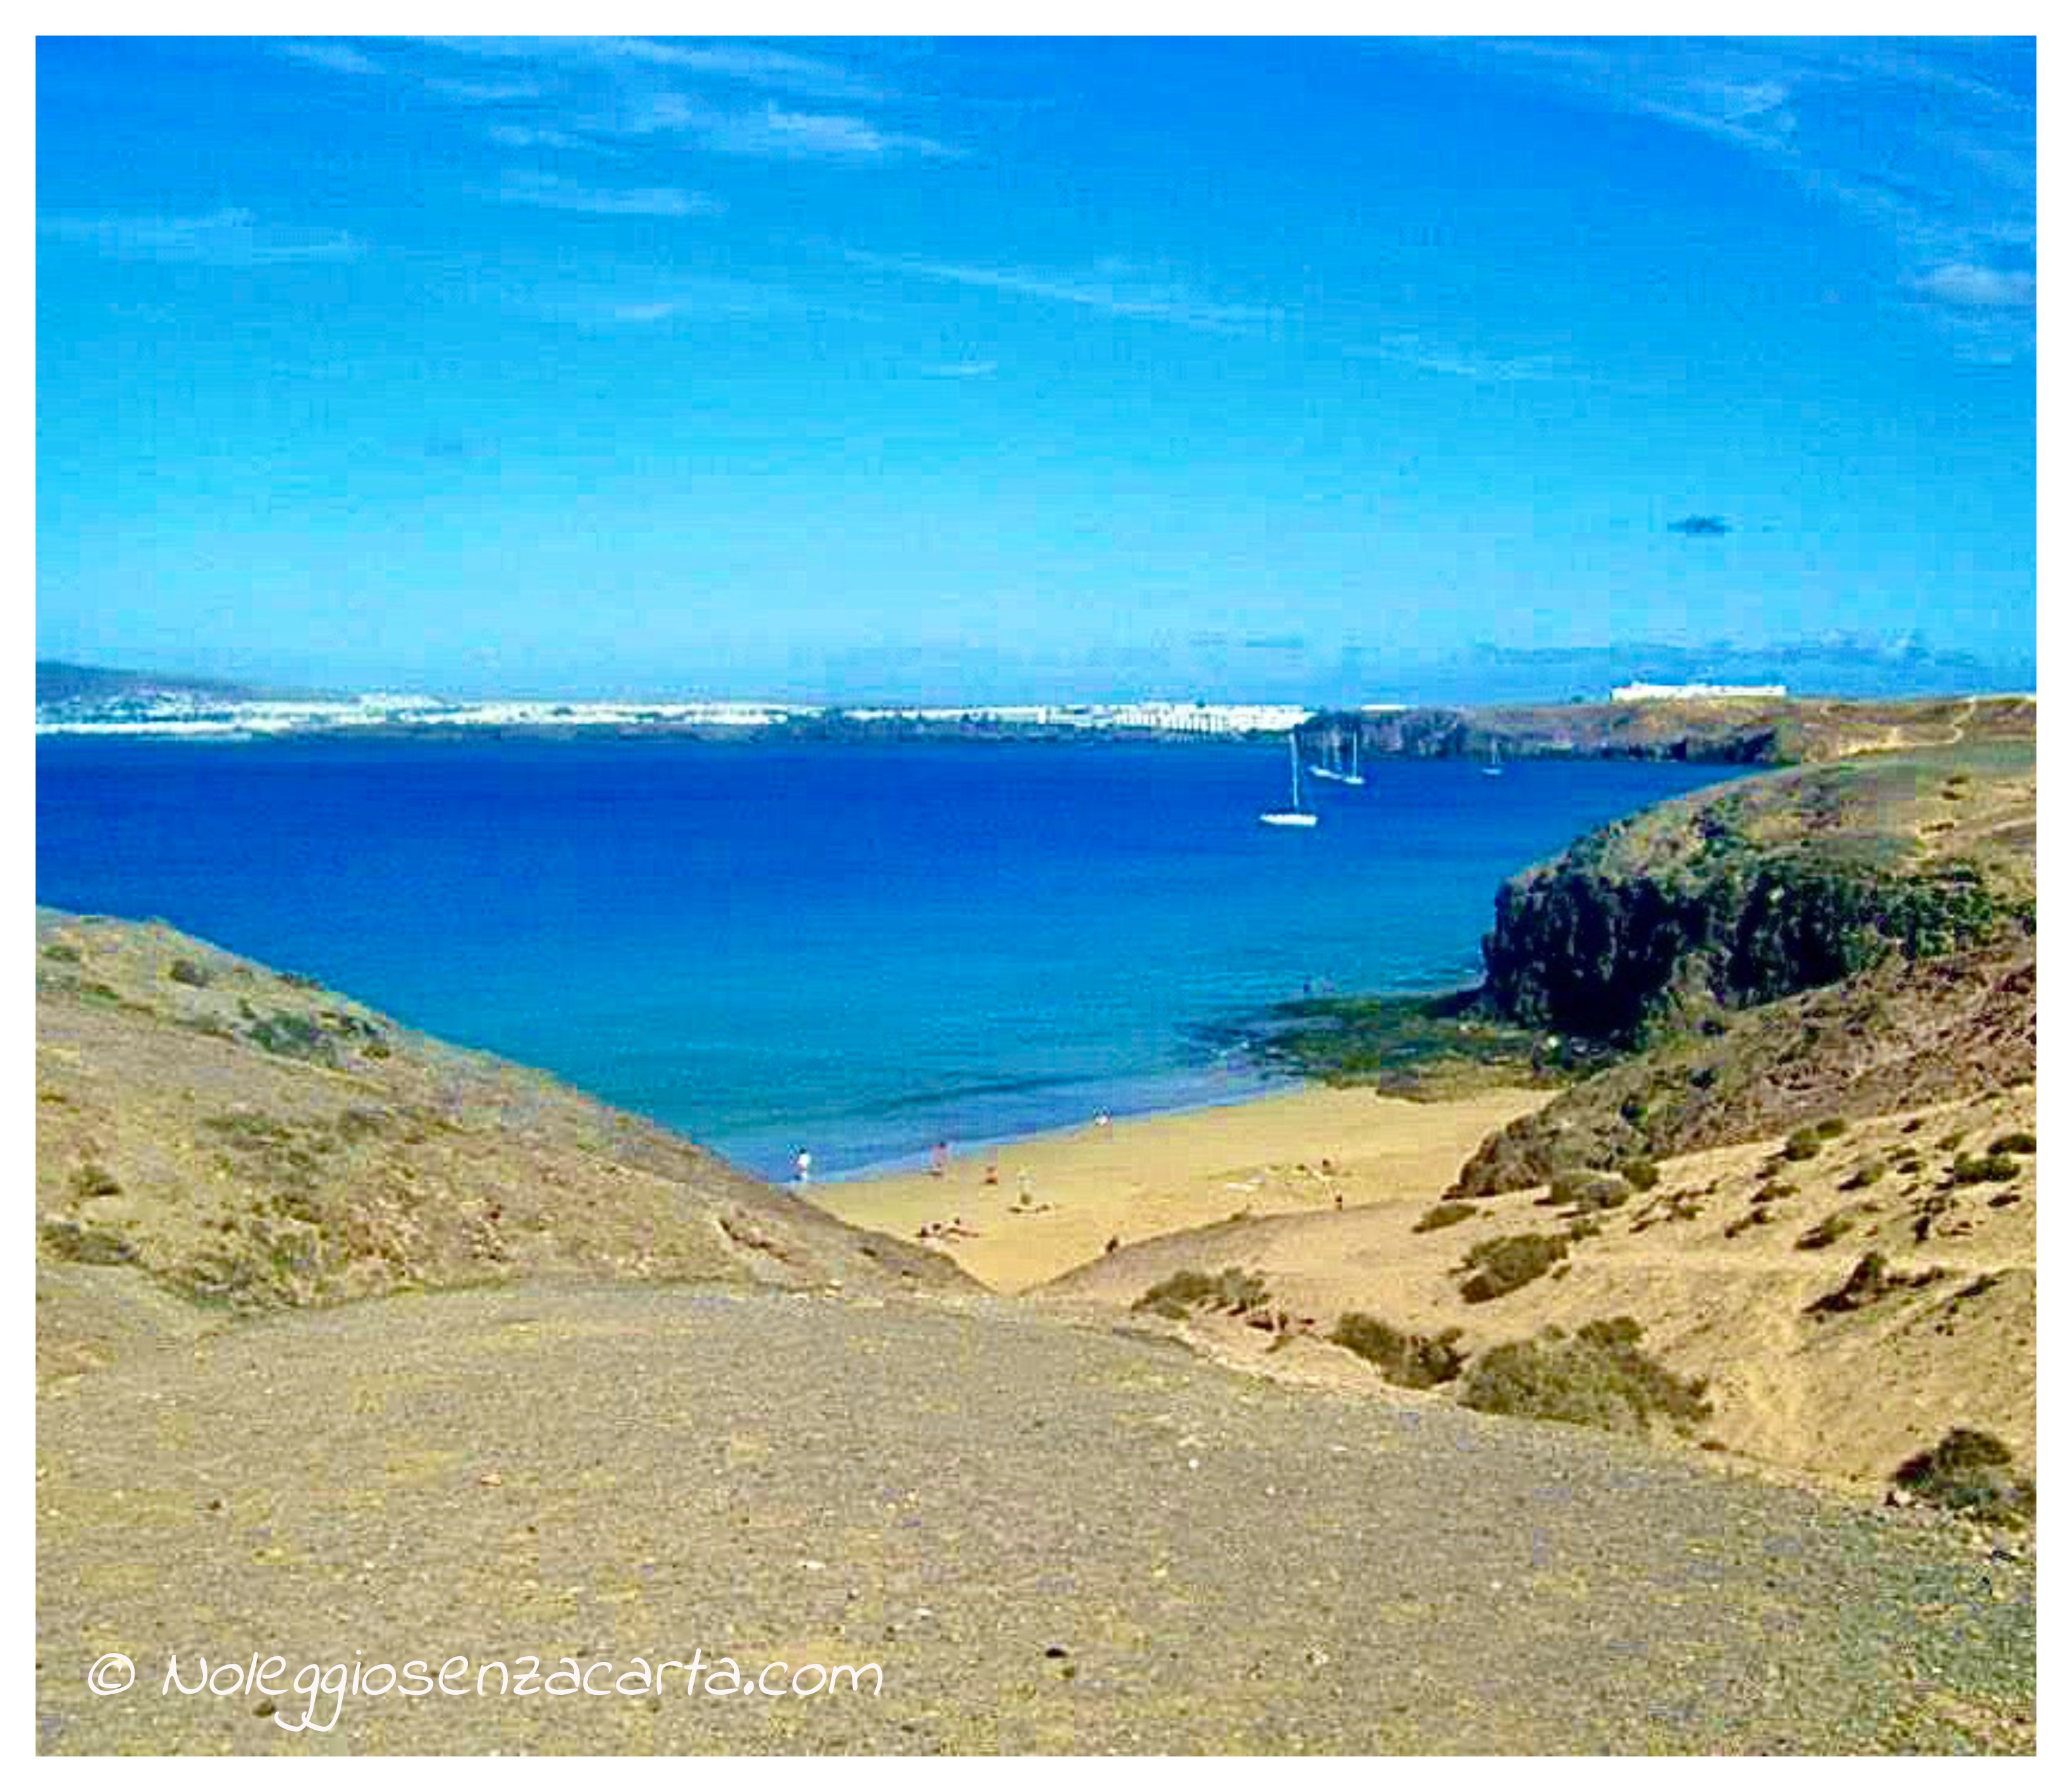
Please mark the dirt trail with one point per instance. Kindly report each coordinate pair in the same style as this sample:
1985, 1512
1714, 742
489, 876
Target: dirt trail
1228, 1564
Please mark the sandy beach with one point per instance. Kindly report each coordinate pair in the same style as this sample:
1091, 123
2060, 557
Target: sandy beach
1055, 1201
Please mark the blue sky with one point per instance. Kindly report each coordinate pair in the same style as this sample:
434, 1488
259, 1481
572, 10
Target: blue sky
999, 369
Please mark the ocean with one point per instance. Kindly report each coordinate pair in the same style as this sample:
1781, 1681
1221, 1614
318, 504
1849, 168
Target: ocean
855, 949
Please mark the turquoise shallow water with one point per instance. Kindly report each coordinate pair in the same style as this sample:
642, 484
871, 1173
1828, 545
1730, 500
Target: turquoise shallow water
855, 949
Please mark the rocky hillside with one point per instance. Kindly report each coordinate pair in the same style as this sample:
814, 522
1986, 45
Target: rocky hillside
216, 1138
1888, 1039
1756, 890
1721, 731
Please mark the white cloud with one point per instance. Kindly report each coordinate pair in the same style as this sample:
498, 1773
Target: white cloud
528, 187
962, 370
340, 58
231, 237
1114, 287
482, 93
1962, 283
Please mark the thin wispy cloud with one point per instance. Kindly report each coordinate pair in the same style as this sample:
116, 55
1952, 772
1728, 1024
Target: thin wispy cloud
630, 88
961, 370
632, 301
1952, 191
231, 237
1961, 283
746, 64
1114, 287
1409, 350
753, 65
537, 137
340, 58
530, 186
769, 130
482, 93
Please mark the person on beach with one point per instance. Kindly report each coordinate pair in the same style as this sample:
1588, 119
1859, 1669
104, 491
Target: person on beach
803, 1164
938, 1159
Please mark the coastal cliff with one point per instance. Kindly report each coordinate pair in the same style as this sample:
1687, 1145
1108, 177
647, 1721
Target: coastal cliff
1754, 892
1766, 731
1847, 939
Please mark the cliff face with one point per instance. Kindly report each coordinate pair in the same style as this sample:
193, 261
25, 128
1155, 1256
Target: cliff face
1756, 891
1847, 939
1703, 731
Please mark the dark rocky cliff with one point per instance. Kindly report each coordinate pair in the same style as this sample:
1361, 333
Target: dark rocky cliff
1758, 891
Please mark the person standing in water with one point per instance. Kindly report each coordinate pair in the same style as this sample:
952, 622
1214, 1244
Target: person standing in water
803, 1164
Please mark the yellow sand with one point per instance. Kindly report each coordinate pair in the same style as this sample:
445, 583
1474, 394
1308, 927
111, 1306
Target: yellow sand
1135, 1179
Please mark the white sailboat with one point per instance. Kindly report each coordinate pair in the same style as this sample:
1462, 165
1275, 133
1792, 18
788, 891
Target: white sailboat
1495, 768
1294, 816
1335, 772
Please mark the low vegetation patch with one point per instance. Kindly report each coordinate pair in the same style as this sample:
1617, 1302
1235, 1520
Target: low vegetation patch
1996, 1167
72, 1241
1237, 1291
1864, 1174
1499, 1266
186, 970
2020, 1144
1406, 1358
1589, 1191
1869, 1283
1447, 1213
1641, 1173
1974, 1473
1803, 1144
1820, 1237
1600, 1376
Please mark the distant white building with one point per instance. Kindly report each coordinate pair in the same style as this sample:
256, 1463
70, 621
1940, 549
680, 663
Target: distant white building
1655, 693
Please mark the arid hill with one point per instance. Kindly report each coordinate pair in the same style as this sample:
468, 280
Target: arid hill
216, 1138
1847, 1294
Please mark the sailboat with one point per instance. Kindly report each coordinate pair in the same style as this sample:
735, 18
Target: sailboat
1335, 772
1495, 768
1294, 816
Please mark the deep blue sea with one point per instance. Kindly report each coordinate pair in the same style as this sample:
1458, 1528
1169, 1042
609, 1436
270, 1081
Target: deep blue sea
853, 949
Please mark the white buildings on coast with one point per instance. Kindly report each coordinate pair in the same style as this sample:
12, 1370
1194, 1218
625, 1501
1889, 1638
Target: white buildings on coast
173, 714
1658, 693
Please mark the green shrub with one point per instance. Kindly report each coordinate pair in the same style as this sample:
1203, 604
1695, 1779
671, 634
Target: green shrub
58, 953
1447, 1213
1866, 1174
1587, 1191
72, 1242
1405, 1358
2020, 1143
1641, 1173
1820, 1237
1803, 1144
1599, 1377
1949, 1142
1499, 1266
91, 1182
1232, 1291
1833, 1127
1994, 1169
1971, 1472
186, 970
